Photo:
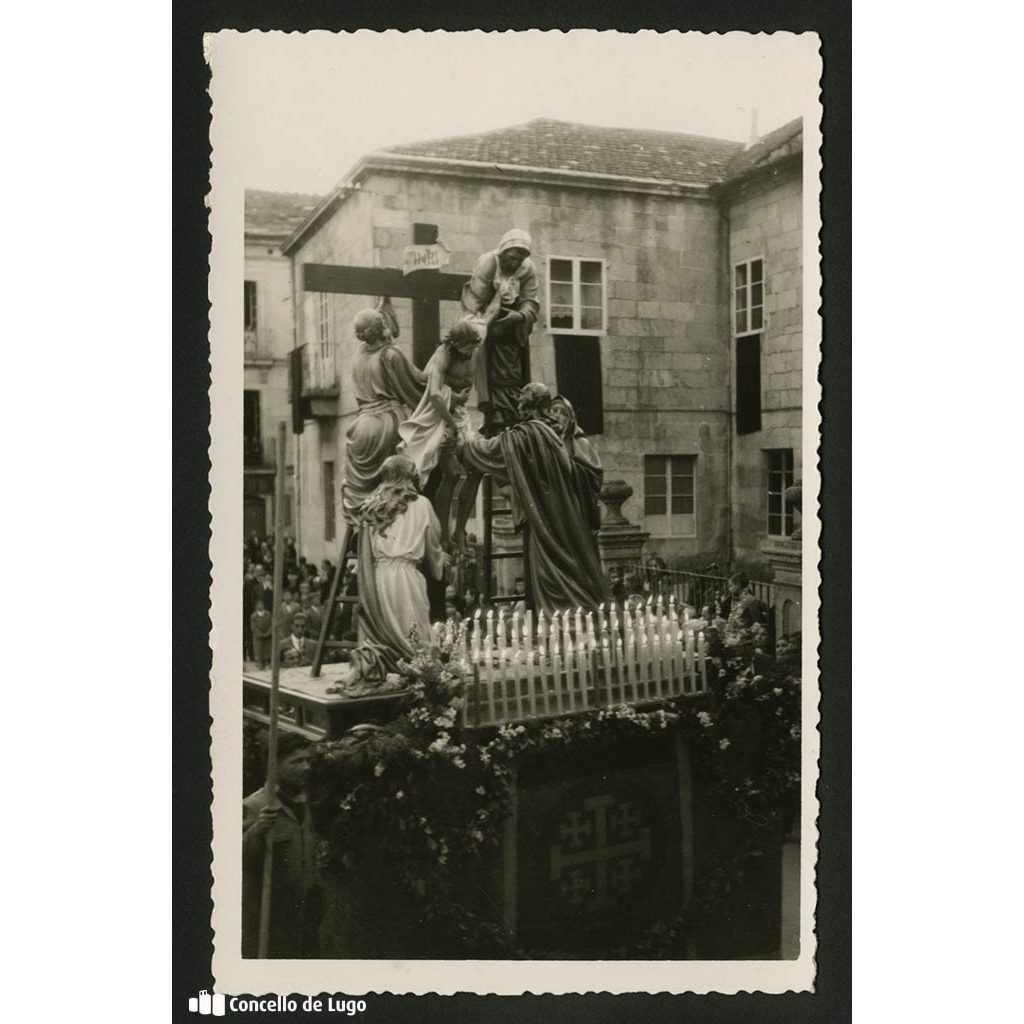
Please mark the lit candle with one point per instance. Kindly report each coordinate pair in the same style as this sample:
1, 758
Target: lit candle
489, 665
528, 650
615, 620
650, 608
624, 673
556, 675
606, 660
689, 658
490, 623
703, 661
579, 622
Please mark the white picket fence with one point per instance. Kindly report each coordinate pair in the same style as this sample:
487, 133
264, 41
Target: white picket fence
522, 667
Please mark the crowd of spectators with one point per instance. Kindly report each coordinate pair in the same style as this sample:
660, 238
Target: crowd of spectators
306, 588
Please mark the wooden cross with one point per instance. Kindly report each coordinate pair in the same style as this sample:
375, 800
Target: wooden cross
427, 288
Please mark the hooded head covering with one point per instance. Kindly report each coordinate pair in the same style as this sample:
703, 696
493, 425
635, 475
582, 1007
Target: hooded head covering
515, 239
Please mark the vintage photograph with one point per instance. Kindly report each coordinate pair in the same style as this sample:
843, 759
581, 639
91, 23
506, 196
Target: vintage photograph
514, 426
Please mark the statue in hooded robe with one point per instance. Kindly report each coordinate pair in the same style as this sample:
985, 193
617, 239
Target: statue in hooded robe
549, 505
501, 298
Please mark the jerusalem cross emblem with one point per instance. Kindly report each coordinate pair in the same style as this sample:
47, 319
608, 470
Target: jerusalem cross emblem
603, 853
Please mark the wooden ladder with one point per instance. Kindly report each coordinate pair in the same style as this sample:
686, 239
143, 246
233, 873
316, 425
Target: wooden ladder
334, 600
490, 556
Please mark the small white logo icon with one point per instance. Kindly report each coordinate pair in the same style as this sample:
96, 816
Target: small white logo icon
207, 1004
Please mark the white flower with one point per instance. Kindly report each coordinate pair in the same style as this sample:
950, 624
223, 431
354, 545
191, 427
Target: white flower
777, 691
378, 769
704, 718
723, 744
794, 732
399, 794
481, 791
458, 762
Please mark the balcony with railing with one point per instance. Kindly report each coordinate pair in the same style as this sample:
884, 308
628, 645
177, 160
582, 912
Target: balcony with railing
696, 590
315, 379
253, 451
259, 344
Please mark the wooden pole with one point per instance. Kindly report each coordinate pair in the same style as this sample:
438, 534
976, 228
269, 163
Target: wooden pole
275, 678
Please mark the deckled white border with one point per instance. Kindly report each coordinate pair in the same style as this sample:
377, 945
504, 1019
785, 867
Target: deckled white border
226, 50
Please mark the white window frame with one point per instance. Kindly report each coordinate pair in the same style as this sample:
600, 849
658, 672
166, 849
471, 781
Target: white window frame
734, 306
576, 306
768, 452
324, 324
669, 532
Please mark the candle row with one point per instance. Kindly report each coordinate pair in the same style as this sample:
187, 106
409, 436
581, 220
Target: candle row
571, 660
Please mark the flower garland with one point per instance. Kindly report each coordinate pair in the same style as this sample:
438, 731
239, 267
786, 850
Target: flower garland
432, 797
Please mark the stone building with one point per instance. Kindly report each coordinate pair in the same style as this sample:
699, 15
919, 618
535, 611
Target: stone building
683, 363
270, 218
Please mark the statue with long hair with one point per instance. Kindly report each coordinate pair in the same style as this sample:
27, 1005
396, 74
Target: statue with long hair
398, 531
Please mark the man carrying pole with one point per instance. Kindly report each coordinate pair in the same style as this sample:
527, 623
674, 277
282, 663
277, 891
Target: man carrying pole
278, 865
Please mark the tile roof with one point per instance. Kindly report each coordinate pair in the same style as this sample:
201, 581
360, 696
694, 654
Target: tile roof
564, 145
774, 146
276, 214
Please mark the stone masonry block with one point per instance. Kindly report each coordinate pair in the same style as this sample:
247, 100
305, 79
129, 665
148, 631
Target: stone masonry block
621, 289
385, 218
654, 361
621, 378
689, 361
787, 299
624, 359
626, 326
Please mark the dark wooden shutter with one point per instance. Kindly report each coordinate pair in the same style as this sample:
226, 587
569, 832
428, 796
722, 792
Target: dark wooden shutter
578, 376
295, 391
426, 313
748, 384
328, 479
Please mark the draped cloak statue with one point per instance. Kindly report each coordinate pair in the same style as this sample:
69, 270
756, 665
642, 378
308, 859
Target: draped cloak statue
548, 488
386, 386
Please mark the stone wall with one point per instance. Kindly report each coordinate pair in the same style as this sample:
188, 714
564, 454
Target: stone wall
766, 222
